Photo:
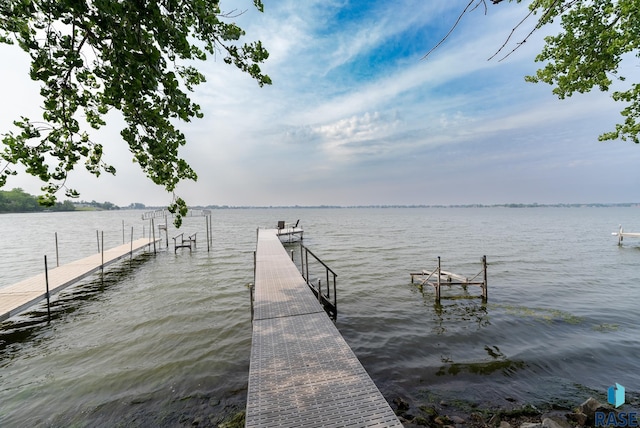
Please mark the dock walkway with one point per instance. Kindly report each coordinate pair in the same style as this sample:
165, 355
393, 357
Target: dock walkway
18, 297
302, 372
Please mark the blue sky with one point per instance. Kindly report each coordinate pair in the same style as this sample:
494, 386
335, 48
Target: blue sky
356, 117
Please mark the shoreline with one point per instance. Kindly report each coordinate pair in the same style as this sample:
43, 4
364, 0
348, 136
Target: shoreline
470, 415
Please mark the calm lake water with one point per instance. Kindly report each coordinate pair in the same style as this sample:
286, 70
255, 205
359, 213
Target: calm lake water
164, 339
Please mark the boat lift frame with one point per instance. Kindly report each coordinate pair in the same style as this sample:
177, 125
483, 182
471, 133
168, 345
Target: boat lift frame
438, 277
621, 234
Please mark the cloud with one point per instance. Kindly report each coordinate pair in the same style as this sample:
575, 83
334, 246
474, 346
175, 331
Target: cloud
355, 115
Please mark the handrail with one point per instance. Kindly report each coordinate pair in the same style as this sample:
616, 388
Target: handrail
321, 262
324, 299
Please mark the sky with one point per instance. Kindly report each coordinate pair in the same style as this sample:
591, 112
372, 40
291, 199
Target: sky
357, 116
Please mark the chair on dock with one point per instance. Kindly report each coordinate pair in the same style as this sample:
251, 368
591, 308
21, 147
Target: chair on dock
281, 225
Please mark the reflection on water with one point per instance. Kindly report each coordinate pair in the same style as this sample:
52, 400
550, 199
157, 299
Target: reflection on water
458, 315
497, 362
26, 325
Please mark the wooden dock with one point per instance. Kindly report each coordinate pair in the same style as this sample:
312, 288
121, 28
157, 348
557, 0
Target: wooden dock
20, 296
302, 372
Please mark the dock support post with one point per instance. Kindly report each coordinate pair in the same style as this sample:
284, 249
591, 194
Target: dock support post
102, 251
57, 257
153, 228
302, 261
620, 236
484, 283
306, 264
328, 294
206, 223
98, 239
320, 292
438, 284
46, 280
251, 298
291, 255
123, 241
131, 251
166, 230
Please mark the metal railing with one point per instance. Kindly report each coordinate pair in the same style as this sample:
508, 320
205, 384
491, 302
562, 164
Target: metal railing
329, 300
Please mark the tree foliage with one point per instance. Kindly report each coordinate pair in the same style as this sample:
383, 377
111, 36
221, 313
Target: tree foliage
596, 37
95, 56
587, 54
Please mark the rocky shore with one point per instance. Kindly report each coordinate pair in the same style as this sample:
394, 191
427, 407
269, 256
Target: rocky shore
445, 415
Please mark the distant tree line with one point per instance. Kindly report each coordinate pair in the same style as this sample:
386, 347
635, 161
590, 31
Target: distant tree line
17, 200
97, 205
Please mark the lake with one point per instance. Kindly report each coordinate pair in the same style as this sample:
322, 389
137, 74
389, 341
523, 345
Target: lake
164, 339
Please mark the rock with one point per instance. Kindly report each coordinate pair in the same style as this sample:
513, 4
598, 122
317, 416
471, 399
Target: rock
531, 425
457, 420
477, 418
494, 421
579, 418
401, 404
554, 422
589, 407
504, 424
419, 420
442, 420
429, 410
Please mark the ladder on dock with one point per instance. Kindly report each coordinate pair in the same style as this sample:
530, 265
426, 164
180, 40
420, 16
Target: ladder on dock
302, 372
179, 241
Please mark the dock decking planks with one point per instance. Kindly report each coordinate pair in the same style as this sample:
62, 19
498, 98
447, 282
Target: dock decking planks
302, 372
18, 297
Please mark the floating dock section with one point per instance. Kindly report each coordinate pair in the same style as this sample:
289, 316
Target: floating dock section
16, 298
302, 372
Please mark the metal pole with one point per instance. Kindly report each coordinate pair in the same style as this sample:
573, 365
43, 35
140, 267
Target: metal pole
211, 228
46, 280
320, 291
484, 285
102, 266
438, 286
123, 241
206, 223
57, 258
251, 298
335, 296
131, 251
327, 271
153, 228
98, 239
306, 256
291, 255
